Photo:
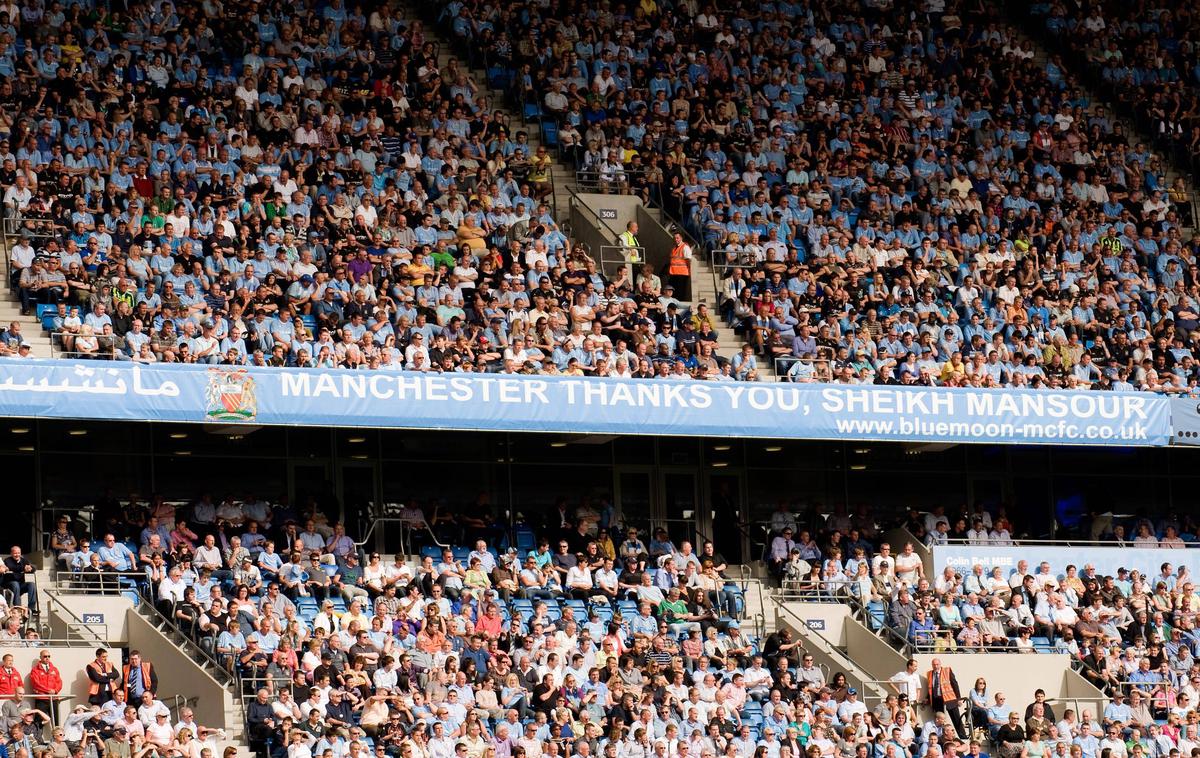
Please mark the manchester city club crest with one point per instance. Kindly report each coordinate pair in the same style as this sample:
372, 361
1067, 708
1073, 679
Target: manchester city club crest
230, 395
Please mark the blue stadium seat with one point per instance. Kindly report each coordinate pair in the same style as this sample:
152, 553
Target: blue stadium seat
499, 77
550, 134
526, 540
875, 615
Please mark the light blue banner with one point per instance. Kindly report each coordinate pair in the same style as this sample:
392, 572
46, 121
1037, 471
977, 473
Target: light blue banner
497, 402
1149, 561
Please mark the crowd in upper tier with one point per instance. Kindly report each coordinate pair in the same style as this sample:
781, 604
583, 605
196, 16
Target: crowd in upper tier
894, 192
897, 192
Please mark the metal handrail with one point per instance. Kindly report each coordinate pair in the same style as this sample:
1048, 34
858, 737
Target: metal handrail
153, 610
590, 180
13, 227
859, 611
74, 622
719, 259
407, 524
760, 618
828, 647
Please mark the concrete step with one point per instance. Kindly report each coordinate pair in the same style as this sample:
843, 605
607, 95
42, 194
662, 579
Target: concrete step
563, 176
1041, 57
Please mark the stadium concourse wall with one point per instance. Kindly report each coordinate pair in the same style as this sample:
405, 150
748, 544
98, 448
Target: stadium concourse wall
93, 620
874, 661
510, 403
71, 659
825, 625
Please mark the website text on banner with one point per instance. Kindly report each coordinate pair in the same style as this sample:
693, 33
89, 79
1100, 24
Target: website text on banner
499, 402
1107, 560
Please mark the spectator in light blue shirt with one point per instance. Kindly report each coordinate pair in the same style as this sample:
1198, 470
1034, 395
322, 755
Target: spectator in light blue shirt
115, 556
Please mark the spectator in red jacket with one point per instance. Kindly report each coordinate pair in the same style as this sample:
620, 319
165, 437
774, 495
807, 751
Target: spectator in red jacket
45, 679
12, 682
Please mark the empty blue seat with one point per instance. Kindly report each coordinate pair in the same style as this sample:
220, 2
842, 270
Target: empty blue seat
431, 551
550, 134
499, 77
525, 539
532, 111
45, 308
875, 615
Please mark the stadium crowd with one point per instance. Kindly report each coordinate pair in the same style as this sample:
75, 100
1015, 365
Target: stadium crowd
300, 186
588, 640
916, 202
1148, 63
912, 201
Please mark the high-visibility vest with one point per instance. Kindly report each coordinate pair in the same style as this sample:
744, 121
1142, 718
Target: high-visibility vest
680, 266
94, 686
633, 254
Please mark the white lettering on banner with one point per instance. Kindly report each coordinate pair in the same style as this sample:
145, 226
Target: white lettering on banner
887, 402
60, 389
91, 386
380, 386
863, 412
987, 561
1081, 405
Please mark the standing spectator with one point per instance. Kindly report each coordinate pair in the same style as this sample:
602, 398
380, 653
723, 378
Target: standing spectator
12, 682
140, 677
943, 695
103, 677
45, 679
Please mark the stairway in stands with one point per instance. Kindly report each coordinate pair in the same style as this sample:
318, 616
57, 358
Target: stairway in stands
566, 184
1041, 56
167, 644
563, 174
704, 290
10, 310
